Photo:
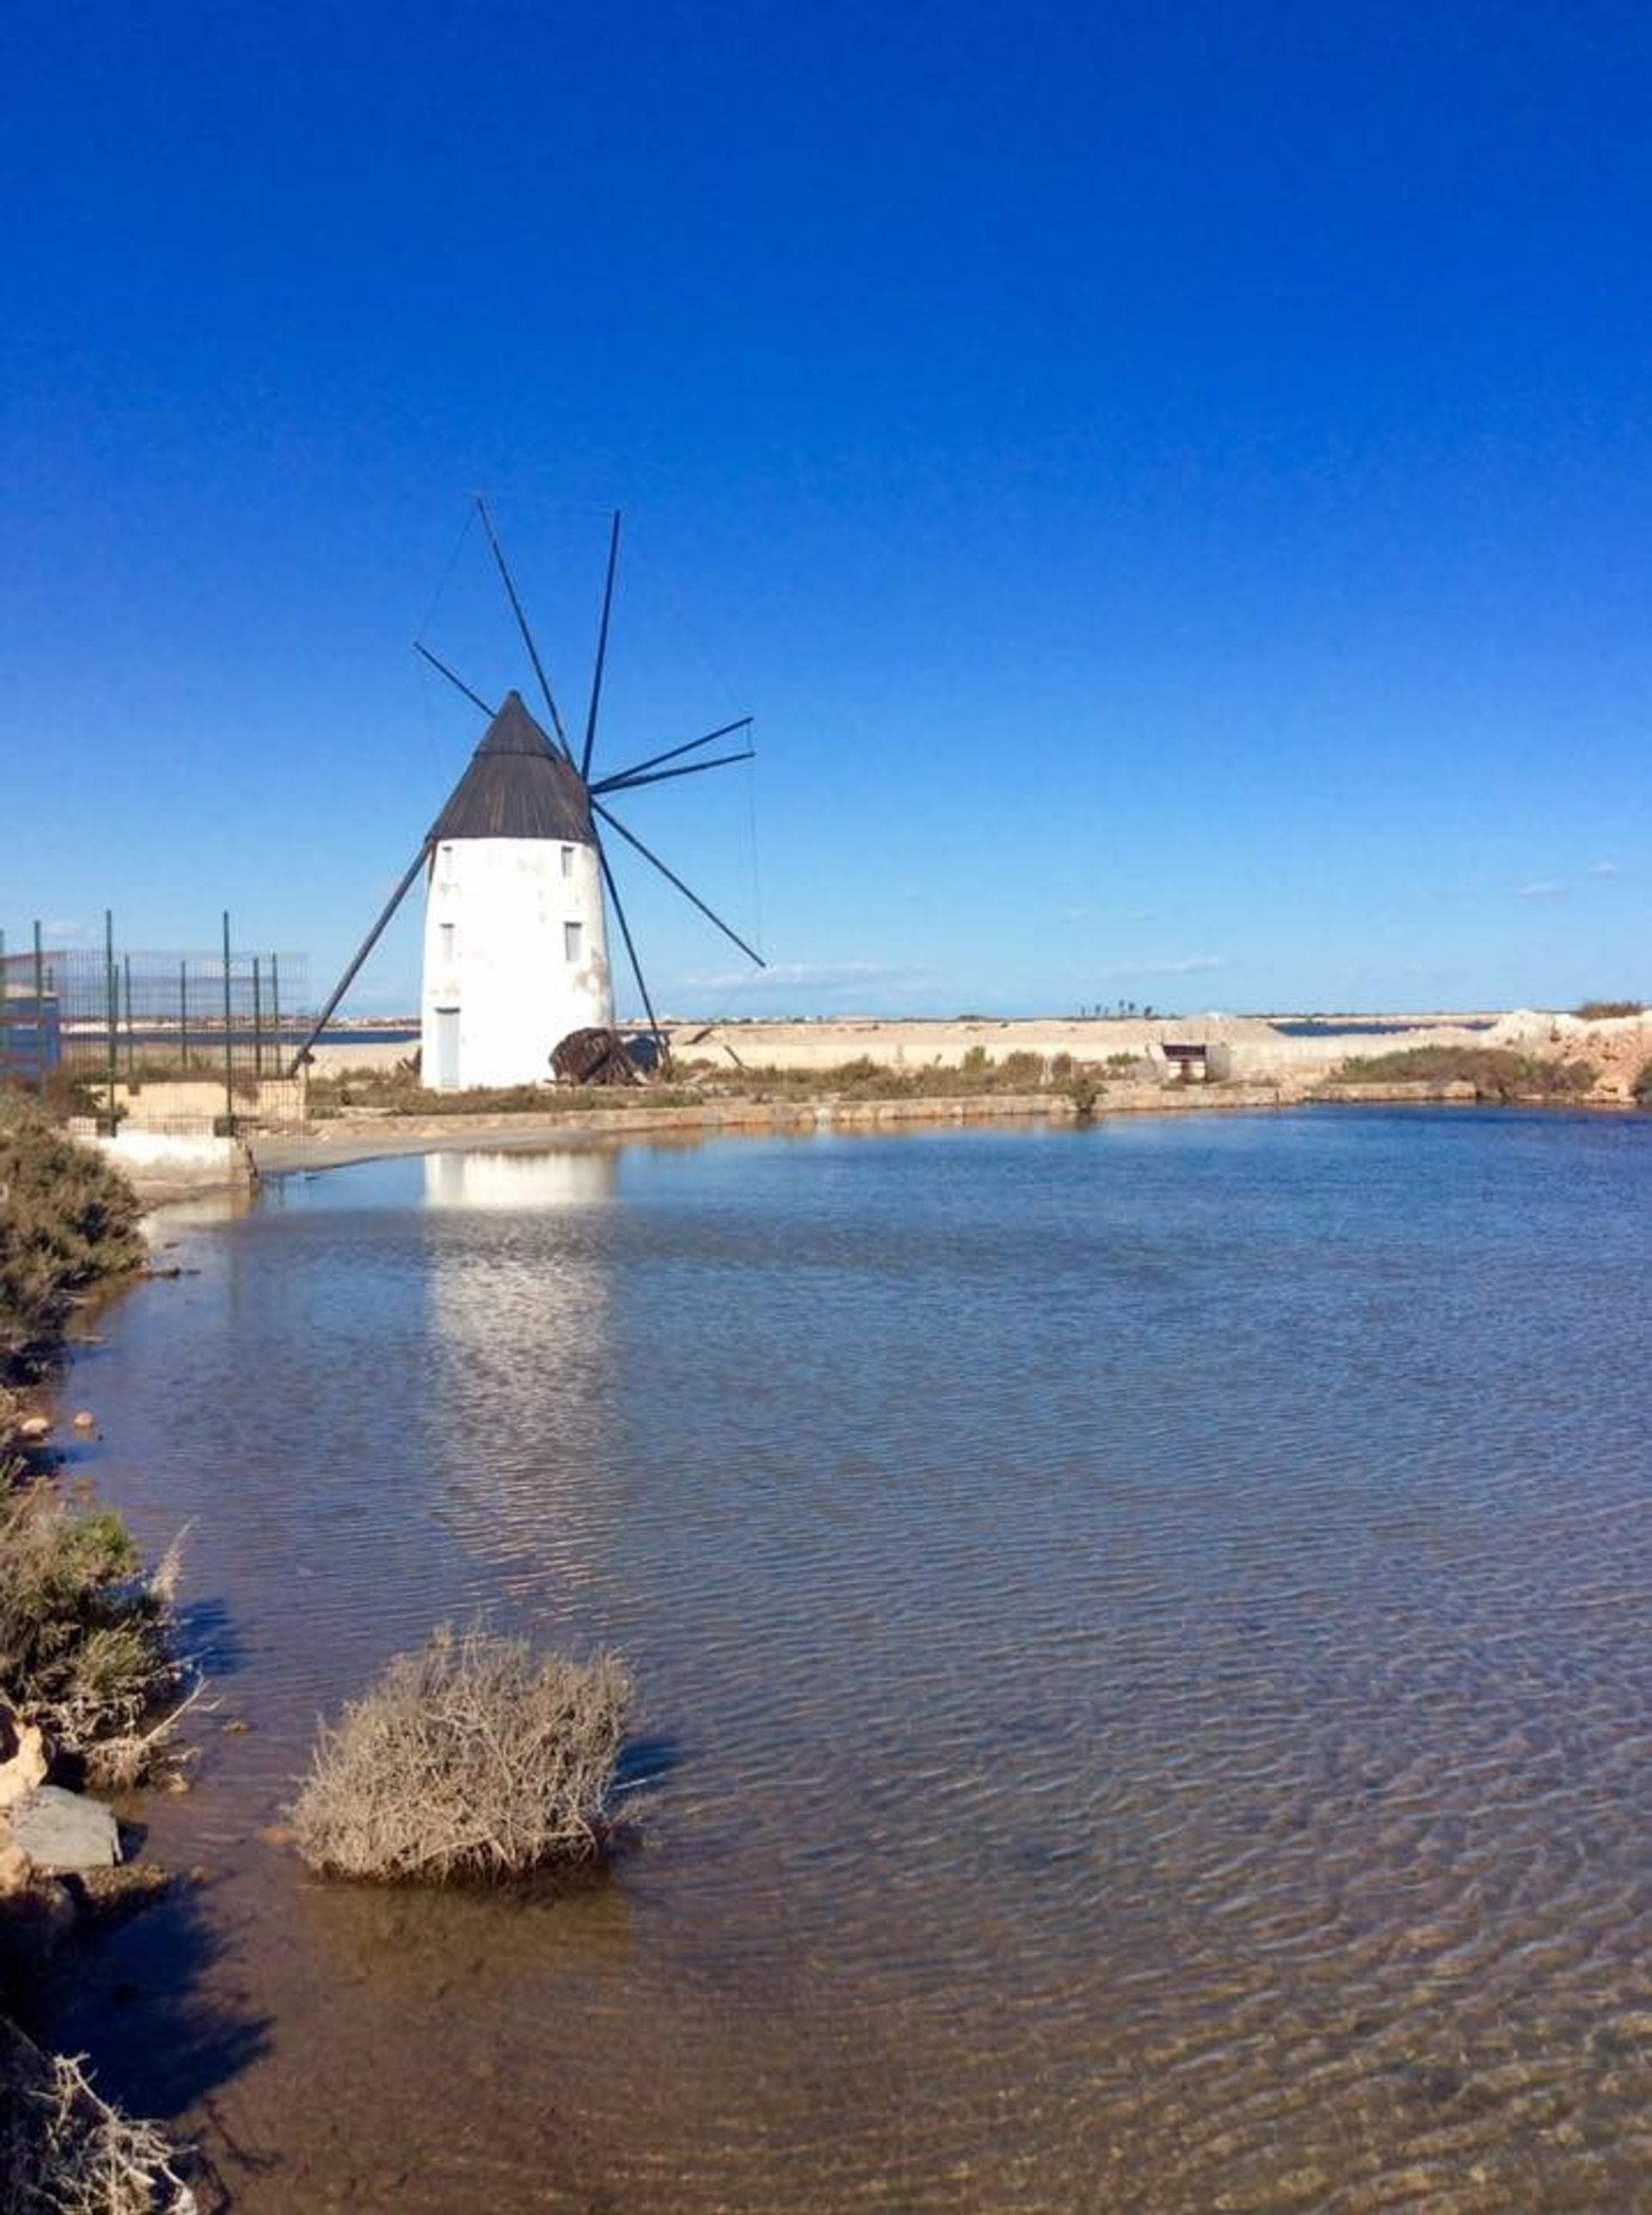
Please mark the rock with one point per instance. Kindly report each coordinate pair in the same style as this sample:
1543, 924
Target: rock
15, 1870
22, 1759
63, 1830
33, 1428
84, 1419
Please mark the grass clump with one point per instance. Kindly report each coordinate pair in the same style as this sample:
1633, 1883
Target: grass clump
468, 1759
1601, 1011
85, 1634
1495, 1072
398, 1091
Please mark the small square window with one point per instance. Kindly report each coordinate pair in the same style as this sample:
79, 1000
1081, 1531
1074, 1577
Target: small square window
572, 933
567, 860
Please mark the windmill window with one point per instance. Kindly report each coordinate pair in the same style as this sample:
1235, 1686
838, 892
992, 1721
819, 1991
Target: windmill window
572, 935
567, 860
449, 934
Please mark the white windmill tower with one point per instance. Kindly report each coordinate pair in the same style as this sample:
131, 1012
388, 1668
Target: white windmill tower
515, 951
515, 937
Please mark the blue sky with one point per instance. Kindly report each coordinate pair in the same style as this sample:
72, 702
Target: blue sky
1173, 484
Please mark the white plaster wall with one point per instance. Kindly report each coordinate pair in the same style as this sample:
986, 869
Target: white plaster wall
508, 973
164, 1150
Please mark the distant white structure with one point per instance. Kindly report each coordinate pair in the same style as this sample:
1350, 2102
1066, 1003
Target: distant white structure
515, 929
515, 944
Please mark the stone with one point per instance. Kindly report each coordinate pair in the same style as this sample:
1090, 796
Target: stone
15, 1870
84, 1419
63, 1830
22, 1759
33, 1428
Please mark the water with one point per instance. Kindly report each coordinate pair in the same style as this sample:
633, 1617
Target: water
1143, 1637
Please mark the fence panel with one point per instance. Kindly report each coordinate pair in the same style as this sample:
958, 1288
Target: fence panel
170, 1041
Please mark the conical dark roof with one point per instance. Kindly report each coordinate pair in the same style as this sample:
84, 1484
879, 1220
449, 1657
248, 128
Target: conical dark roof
517, 786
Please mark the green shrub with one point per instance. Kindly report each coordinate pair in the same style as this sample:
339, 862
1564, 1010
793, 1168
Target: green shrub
467, 1759
67, 1221
1494, 1072
84, 1634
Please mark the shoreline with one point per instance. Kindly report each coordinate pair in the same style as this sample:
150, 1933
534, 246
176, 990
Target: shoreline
763, 1077
346, 1141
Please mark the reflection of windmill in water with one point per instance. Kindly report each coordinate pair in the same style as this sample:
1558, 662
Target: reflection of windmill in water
520, 1281
515, 867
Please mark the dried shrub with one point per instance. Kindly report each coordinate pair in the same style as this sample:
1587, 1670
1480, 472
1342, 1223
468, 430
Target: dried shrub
85, 1635
1642, 1088
63, 2151
1601, 1011
469, 1759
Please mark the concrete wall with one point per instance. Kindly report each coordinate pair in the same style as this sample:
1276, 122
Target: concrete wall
145, 1155
496, 951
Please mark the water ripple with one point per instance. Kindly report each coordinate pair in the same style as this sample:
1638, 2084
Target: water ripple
1150, 1628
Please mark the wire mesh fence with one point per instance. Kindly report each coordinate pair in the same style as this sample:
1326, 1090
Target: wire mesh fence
180, 1042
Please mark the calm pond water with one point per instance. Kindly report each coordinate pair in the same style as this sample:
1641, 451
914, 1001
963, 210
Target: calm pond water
1143, 1638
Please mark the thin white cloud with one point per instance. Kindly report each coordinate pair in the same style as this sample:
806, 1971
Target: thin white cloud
806, 976
1604, 869
1187, 965
1545, 889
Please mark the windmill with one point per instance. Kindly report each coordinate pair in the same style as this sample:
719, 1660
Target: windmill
516, 869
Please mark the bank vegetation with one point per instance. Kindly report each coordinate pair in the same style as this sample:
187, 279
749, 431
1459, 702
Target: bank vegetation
86, 1660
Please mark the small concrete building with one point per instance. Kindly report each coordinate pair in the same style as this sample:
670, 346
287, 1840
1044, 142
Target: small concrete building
515, 944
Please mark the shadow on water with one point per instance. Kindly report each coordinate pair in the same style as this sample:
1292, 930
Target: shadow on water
132, 1997
206, 1631
646, 1761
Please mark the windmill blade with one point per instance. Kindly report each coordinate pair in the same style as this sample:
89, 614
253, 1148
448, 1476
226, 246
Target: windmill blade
521, 625
631, 946
365, 949
601, 648
671, 877
419, 647
621, 776
665, 776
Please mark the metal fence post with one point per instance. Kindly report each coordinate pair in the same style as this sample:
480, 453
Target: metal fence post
183, 1015
40, 1012
228, 1045
110, 1010
131, 1064
257, 1020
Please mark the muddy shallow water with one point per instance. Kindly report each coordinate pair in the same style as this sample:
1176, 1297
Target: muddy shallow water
1145, 1654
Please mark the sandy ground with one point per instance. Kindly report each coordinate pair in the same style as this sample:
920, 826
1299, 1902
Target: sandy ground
1252, 1062
1255, 1049
919, 1043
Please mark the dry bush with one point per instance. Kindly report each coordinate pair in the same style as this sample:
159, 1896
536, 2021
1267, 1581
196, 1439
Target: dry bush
65, 2151
467, 1759
85, 1636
